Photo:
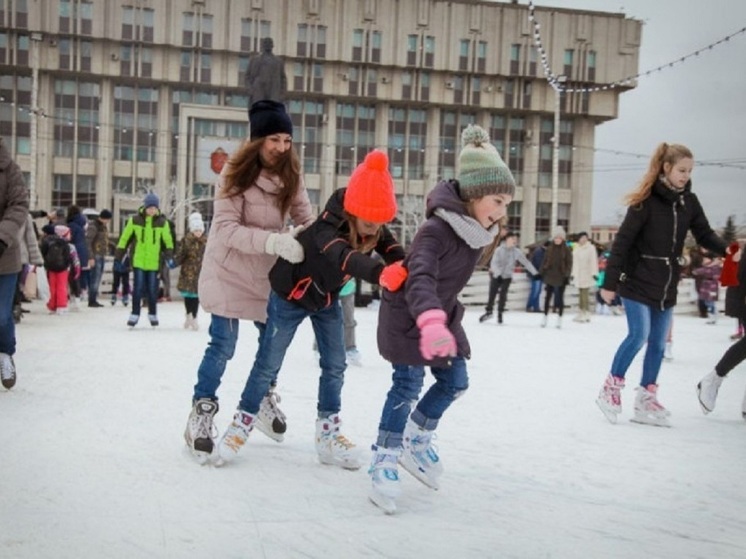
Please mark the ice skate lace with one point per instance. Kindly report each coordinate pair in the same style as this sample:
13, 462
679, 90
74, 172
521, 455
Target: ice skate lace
384, 459
271, 401
613, 392
342, 441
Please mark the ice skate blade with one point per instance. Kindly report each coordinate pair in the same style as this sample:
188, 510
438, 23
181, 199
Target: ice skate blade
386, 504
267, 431
344, 464
610, 415
701, 404
655, 422
419, 474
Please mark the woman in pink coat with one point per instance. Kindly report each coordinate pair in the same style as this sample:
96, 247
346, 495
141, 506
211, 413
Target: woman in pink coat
260, 189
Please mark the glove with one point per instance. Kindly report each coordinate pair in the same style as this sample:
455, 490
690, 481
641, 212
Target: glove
435, 338
170, 263
392, 276
285, 246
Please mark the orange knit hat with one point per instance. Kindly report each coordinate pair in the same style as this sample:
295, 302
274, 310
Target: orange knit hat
370, 190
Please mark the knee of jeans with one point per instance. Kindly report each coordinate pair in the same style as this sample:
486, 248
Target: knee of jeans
459, 392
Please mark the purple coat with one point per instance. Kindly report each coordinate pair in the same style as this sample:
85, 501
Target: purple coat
439, 264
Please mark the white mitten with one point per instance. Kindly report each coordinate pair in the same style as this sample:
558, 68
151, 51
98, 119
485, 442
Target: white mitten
285, 246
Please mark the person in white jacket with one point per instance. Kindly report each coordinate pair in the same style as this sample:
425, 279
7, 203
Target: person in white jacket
584, 274
502, 265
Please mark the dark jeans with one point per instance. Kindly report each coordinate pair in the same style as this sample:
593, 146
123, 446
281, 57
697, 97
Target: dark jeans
559, 298
7, 325
534, 297
498, 285
94, 278
147, 282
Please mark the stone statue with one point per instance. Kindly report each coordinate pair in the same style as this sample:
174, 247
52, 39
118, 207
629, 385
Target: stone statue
265, 76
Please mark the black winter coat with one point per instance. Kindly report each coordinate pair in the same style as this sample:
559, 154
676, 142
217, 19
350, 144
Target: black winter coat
644, 264
330, 260
439, 264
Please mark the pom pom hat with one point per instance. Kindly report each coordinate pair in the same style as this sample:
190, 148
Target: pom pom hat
195, 222
62, 231
481, 169
370, 190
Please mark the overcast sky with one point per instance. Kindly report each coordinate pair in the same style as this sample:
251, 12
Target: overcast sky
700, 103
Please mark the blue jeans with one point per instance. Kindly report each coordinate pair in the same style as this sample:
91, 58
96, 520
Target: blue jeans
450, 383
146, 280
7, 326
283, 319
220, 349
534, 296
645, 323
94, 278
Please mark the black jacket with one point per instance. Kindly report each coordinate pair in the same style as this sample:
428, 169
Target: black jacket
645, 257
330, 260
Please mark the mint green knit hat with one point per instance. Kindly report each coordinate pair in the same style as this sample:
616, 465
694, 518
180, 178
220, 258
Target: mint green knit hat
481, 169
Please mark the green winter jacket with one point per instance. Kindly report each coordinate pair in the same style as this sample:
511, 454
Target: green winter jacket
148, 235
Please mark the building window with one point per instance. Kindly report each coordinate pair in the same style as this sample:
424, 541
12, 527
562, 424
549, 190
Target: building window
311, 41
515, 59
308, 119
424, 86
509, 93
498, 132
482, 56
357, 45
252, 32
591, 66
568, 61
15, 91
62, 190
463, 54
412, 48
514, 216
135, 123
527, 89
476, 90
301, 45
452, 124
356, 128
516, 147
533, 54
406, 85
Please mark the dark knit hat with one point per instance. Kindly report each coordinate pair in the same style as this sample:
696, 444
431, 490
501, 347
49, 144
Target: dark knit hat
481, 169
370, 190
105, 214
151, 199
268, 117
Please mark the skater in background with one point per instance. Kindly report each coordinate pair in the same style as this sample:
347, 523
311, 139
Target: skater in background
584, 274
555, 272
97, 240
644, 268
534, 297
336, 246
347, 301
146, 234
735, 305
121, 279
61, 261
189, 256
502, 265
420, 325
14, 203
260, 189
77, 222
709, 275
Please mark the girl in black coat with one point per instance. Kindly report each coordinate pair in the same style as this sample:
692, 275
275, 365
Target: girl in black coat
644, 268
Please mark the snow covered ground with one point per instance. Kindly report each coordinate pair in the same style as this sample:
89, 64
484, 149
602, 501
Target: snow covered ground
93, 463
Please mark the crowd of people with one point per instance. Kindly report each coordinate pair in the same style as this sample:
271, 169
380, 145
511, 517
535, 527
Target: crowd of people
267, 259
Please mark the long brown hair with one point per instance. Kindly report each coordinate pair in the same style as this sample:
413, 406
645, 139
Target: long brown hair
664, 153
368, 242
245, 165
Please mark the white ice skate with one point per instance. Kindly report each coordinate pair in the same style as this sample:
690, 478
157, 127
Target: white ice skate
707, 391
333, 448
419, 456
270, 419
200, 432
235, 436
610, 397
648, 410
384, 475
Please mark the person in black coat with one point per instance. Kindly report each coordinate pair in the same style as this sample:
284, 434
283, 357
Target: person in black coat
644, 268
735, 305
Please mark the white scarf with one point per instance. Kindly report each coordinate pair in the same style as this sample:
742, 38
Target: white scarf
468, 228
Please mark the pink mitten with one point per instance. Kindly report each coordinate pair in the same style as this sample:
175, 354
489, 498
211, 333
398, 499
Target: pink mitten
436, 339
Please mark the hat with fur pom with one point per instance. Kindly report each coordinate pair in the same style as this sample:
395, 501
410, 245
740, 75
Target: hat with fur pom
370, 190
481, 169
195, 222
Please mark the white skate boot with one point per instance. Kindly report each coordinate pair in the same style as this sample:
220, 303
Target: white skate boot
648, 410
334, 448
384, 475
610, 397
707, 391
419, 457
200, 433
270, 419
235, 436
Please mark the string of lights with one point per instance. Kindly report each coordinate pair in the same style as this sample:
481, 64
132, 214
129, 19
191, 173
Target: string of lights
558, 85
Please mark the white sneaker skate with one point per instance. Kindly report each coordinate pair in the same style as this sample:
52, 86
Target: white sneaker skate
419, 457
332, 447
384, 475
7, 371
668, 351
544, 321
235, 436
270, 420
132, 320
354, 357
610, 397
200, 432
707, 391
648, 410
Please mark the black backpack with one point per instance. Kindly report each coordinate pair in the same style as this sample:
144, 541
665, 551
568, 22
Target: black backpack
57, 256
